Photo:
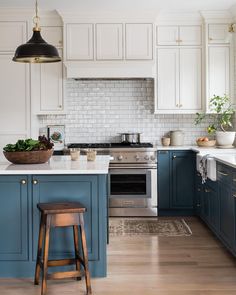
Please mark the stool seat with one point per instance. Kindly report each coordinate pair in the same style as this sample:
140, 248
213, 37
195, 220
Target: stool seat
62, 215
57, 208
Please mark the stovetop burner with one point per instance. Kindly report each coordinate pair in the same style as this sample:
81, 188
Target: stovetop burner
110, 145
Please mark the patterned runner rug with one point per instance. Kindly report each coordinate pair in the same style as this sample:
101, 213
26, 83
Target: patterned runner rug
149, 226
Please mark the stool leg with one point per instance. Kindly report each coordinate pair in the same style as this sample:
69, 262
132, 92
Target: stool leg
76, 244
45, 255
85, 255
39, 253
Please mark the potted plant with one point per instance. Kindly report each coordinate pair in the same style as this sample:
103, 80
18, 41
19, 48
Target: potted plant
220, 120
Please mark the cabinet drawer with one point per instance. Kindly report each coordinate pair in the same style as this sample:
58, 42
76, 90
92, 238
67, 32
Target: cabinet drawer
218, 33
224, 173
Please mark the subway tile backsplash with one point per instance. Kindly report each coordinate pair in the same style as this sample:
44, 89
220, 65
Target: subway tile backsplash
98, 110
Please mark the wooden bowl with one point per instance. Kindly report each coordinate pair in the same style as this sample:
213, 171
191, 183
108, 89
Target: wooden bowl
209, 143
28, 157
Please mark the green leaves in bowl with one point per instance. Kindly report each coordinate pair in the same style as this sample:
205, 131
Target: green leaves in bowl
29, 144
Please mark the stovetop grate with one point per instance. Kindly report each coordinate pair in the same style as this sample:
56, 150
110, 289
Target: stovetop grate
110, 145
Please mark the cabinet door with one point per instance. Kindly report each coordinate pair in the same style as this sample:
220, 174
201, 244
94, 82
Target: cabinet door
190, 35
79, 42
168, 79
51, 86
167, 35
53, 35
163, 179
218, 71
205, 207
12, 34
214, 207
190, 79
109, 43
183, 167
218, 33
227, 225
14, 218
68, 189
139, 41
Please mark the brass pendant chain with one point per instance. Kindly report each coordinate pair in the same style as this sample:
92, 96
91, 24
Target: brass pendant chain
36, 19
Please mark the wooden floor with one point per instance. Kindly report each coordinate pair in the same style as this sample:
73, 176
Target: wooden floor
195, 265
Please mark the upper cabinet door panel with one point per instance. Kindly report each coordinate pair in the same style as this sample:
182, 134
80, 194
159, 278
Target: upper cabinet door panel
109, 43
168, 79
218, 33
139, 41
190, 35
190, 78
167, 35
79, 42
219, 71
12, 34
53, 35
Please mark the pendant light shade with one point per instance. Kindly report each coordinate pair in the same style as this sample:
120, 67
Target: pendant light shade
36, 50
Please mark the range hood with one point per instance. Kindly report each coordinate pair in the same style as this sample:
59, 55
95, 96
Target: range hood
118, 69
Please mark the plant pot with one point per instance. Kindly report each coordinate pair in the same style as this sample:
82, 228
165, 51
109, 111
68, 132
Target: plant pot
225, 138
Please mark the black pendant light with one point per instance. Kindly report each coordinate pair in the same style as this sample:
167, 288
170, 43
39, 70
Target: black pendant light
36, 50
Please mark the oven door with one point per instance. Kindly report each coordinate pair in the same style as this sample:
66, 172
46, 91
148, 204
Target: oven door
130, 183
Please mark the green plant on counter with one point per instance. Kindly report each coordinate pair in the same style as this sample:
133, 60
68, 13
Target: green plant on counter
29, 145
220, 116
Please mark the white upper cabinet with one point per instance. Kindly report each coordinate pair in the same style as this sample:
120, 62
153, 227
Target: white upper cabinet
79, 42
218, 34
51, 86
139, 41
167, 35
12, 34
179, 35
53, 35
190, 79
178, 80
109, 41
167, 79
218, 71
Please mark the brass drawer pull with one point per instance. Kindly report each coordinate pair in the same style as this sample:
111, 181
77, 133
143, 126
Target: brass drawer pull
207, 190
23, 181
222, 173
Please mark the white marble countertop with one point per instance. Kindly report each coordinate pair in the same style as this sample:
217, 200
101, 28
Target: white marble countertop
59, 165
226, 156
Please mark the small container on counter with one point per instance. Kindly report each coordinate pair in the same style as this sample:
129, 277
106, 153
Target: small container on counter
74, 154
165, 141
91, 155
176, 138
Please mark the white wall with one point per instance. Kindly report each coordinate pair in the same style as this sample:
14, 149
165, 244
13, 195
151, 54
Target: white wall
97, 110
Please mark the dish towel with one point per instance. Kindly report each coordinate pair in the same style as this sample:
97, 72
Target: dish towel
203, 167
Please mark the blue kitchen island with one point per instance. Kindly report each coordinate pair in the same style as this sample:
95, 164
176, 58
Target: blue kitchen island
23, 186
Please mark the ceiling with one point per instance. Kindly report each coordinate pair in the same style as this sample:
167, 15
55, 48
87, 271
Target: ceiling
123, 5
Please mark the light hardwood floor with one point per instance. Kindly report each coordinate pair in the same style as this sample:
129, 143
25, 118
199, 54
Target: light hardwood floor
195, 265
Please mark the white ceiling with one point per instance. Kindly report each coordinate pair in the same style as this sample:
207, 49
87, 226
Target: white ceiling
123, 5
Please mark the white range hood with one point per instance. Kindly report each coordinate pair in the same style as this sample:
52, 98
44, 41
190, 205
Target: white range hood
127, 69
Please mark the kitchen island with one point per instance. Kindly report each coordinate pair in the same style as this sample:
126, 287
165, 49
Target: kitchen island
59, 180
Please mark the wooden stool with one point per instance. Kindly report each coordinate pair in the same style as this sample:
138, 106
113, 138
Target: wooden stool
58, 215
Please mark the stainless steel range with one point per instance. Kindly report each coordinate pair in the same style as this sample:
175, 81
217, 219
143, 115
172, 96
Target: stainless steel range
132, 177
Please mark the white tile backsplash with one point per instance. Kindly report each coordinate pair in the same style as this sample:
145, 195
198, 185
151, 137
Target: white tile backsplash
98, 110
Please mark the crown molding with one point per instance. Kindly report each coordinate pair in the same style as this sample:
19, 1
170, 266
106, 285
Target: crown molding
179, 17
219, 16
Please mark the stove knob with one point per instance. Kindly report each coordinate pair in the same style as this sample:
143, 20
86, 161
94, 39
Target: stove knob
120, 158
137, 157
146, 158
153, 158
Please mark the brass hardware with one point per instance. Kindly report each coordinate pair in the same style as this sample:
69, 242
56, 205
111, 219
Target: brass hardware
60, 41
177, 105
180, 40
60, 106
234, 195
222, 173
207, 190
35, 181
23, 181
210, 39
231, 28
180, 105
174, 157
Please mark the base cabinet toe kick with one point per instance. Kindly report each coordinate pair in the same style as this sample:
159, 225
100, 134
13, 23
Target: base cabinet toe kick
19, 220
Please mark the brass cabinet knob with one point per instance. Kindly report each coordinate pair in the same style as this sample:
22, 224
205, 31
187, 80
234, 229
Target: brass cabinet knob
234, 195
177, 105
35, 181
210, 39
174, 157
23, 181
60, 106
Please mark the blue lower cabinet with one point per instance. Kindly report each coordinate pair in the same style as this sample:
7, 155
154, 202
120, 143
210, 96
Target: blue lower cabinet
14, 218
19, 220
176, 184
